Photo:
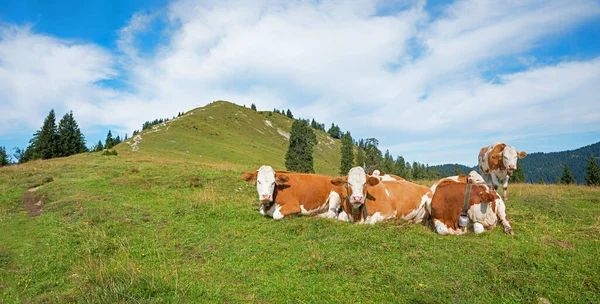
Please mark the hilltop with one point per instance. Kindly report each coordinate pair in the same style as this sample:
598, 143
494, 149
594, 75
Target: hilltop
223, 133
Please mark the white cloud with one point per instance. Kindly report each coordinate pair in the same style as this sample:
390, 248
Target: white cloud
352, 63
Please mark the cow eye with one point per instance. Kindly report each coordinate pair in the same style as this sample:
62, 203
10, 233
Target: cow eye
258, 182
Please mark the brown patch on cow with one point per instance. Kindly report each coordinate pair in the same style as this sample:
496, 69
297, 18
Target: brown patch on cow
495, 157
34, 202
448, 200
308, 190
281, 179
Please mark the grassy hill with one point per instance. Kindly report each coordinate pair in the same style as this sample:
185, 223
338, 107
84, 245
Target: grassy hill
173, 222
224, 133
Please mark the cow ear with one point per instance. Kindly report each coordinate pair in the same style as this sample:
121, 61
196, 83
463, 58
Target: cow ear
372, 181
250, 177
281, 179
522, 154
339, 181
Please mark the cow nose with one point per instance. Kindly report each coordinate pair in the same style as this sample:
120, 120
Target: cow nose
512, 166
356, 198
265, 197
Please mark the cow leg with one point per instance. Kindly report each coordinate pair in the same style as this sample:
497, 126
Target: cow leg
501, 214
495, 182
286, 210
333, 205
343, 216
442, 229
269, 212
478, 228
505, 188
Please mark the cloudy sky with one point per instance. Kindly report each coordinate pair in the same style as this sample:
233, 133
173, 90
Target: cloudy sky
434, 81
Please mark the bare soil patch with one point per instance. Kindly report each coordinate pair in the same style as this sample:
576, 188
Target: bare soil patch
34, 202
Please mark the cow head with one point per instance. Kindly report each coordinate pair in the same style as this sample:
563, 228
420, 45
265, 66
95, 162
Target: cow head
509, 158
266, 180
356, 185
475, 178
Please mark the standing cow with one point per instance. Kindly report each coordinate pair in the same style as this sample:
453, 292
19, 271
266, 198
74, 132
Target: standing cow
285, 193
485, 208
383, 200
499, 161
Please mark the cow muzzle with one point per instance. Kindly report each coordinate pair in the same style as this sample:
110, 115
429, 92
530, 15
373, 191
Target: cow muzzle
356, 199
265, 198
511, 167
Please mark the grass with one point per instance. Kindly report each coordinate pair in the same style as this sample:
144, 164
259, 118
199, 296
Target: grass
153, 226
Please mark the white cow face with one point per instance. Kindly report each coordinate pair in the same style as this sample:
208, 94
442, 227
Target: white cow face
509, 158
266, 181
476, 178
356, 185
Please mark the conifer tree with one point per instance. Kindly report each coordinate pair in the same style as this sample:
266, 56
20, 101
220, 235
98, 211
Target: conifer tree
592, 172
347, 161
46, 142
99, 147
299, 156
372, 153
400, 167
541, 181
567, 177
109, 142
360, 157
289, 114
313, 124
70, 139
387, 164
3, 157
125, 137
253, 107
334, 131
518, 175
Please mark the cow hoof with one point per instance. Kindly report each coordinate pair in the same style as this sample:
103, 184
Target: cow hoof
328, 214
509, 231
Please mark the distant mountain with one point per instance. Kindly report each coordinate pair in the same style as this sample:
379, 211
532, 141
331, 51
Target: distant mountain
550, 166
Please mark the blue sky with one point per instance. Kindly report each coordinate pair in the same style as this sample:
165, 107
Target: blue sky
434, 81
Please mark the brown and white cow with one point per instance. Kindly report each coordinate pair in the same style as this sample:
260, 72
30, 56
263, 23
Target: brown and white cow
285, 193
499, 161
383, 200
485, 207
386, 177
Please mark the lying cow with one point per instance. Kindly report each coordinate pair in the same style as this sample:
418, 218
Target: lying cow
499, 161
285, 193
383, 200
484, 207
473, 178
386, 177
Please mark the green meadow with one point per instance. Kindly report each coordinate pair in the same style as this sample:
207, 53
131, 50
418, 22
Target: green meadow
173, 222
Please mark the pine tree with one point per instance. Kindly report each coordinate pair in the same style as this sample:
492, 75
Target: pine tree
372, 153
70, 139
360, 157
400, 167
125, 137
518, 175
253, 107
109, 142
289, 114
541, 181
567, 177
99, 147
313, 124
592, 172
299, 156
334, 131
347, 161
46, 143
117, 140
387, 164
3, 157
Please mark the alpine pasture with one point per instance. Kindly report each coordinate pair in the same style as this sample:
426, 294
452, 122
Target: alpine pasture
173, 222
